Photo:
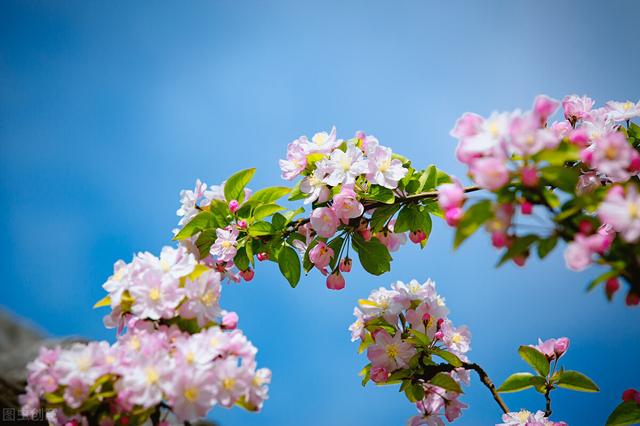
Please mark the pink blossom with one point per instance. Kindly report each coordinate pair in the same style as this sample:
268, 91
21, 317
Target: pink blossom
575, 107
489, 173
320, 255
544, 107
450, 195
390, 352
335, 281
191, 392
344, 166
622, 212
622, 111
156, 295
469, 124
577, 255
203, 295
453, 216
527, 138
234, 205
552, 348
230, 321
383, 169
76, 392
612, 156
296, 160
232, 381
224, 248
346, 205
390, 239
453, 409
345, 264
315, 188
458, 340
190, 200
529, 176
324, 221
379, 374
488, 139
323, 142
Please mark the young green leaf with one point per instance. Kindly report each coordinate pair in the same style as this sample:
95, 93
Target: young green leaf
271, 194
380, 193
373, 255
203, 220
260, 228
627, 413
234, 187
266, 210
241, 260
516, 382
289, 264
561, 177
546, 245
535, 359
381, 216
447, 356
446, 382
473, 218
576, 381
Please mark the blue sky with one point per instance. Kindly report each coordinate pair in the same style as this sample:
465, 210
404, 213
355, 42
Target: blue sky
108, 110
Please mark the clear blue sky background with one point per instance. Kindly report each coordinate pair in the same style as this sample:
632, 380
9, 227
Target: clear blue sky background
108, 110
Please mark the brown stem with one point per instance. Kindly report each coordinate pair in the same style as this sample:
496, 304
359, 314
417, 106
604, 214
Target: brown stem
547, 397
432, 370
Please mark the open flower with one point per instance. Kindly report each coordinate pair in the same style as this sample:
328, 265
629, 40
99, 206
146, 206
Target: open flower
390, 352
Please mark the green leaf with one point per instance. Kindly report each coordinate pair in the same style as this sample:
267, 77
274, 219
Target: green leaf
293, 213
602, 278
296, 194
627, 413
443, 178
202, 221
205, 241
53, 398
546, 245
432, 179
380, 193
381, 216
561, 177
561, 154
576, 381
241, 259
289, 264
260, 228
516, 382
271, 194
365, 373
373, 255
422, 338
410, 218
335, 245
475, 216
535, 359
447, 356
234, 187
266, 210
445, 381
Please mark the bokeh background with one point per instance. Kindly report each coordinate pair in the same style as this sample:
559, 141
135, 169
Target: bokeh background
108, 109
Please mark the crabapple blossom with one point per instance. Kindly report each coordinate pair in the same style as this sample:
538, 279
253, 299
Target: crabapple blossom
527, 418
346, 205
576, 107
383, 169
225, 246
335, 281
344, 166
321, 255
622, 211
489, 173
202, 296
155, 295
622, 111
390, 351
324, 221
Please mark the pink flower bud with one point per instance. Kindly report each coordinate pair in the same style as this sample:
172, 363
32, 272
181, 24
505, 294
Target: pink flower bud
262, 256
611, 287
440, 322
544, 107
234, 206
630, 395
632, 299
379, 374
365, 234
560, 347
417, 236
453, 216
230, 321
526, 208
585, 227
335, 281
586, 156
360, 135
451, 195
439, 335
520, 260
499, 239
345, 264
426, 317
634, 167
324, 221
242, 224
579, 137
248, 274
529, 176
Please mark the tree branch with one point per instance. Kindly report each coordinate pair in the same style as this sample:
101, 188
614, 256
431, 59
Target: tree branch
547, 397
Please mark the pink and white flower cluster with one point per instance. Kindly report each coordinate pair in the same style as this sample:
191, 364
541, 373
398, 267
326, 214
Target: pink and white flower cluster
387, 323
180, 351
527, 418
335, 173
224, 248
149, 367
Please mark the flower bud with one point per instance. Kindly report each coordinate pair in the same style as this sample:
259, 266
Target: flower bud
230, 321
453, 216
418, 236
262, 256
585, 227
242, 224
426, 318
335, 281
520, 260
379, 374
630, 395
560, 347
611, 287
632, 299
248, 274
439, 335
499, 239
529, 176
345, 264
526, 208
234, 206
